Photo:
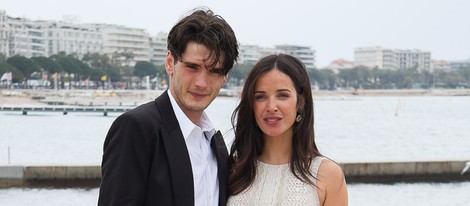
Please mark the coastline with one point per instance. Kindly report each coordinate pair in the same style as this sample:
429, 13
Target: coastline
136, 97
394, 92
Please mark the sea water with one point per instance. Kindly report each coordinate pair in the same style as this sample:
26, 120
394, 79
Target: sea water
348, 129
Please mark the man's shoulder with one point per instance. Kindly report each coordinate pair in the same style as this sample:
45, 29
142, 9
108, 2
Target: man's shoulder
160, 103
142, 109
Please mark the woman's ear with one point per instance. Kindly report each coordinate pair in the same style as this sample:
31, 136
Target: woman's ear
301, 103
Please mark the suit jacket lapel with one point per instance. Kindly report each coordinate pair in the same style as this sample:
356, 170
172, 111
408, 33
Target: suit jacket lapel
177, 153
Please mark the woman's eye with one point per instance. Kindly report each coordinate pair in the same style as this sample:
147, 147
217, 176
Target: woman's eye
282, 96
260, 97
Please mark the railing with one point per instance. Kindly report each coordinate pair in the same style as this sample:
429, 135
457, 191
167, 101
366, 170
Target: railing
64, 109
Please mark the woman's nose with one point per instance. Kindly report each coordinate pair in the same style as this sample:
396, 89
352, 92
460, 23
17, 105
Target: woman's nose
272, 106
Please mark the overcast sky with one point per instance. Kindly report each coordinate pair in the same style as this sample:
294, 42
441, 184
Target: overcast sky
334, 28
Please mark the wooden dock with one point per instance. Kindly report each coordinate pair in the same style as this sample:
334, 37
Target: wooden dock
65, 109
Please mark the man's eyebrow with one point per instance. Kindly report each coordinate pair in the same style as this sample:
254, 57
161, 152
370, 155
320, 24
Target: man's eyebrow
189, 63
216, 69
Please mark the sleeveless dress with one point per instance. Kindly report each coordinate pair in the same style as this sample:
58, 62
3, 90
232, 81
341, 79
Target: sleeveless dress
276, 185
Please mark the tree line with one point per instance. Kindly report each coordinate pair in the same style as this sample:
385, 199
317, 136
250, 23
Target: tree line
375, 78
94, 66
361, 77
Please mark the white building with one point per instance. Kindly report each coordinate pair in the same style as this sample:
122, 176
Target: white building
375, 57
459, 64
4, 33
385, 58
158, 48
71, 38
304, 53
249, 54
415, 58
25, 38
124, 45
265, 51
119, 41
45, 38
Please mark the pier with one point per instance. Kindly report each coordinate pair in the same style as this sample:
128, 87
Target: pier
389, 172
65, 109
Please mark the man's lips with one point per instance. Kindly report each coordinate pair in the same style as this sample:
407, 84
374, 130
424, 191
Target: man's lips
198, 95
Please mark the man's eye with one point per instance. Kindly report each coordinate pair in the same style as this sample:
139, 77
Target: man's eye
217, 71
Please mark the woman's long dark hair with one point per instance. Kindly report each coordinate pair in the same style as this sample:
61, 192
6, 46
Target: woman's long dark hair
248, 142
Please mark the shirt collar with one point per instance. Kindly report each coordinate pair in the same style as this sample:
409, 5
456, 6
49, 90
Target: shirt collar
186, 125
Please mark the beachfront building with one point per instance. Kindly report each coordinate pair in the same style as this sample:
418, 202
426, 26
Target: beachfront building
375, 57
70, 38
45, 38
21, 36
4, 33
125, 45
304, 53
158, 48
25, 37
393, 59
265, 51
249, 54
414, 58
459, 64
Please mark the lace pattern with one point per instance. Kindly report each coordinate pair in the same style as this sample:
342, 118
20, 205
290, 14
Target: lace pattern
276, 185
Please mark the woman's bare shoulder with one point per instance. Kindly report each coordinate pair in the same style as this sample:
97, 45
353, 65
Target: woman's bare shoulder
330, 170
332, 183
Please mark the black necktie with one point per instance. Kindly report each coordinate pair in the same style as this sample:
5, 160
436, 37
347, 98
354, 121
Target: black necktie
213, 146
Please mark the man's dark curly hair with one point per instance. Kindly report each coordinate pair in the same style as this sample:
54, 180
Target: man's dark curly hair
204, 27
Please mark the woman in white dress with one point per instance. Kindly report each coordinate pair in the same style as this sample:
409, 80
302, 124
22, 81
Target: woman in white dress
274, 158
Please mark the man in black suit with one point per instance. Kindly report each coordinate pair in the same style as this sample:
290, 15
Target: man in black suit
166, 152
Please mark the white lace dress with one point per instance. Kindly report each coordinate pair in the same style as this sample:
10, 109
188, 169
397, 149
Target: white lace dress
276, 185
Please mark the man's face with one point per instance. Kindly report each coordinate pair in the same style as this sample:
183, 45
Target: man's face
193, 84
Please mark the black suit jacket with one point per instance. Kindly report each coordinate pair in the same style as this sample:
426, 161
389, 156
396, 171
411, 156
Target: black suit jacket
146, 161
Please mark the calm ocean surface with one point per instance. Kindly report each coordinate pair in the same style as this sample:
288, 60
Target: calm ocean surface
348, 129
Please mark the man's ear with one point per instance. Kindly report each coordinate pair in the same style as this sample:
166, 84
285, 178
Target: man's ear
169, 63
225, 79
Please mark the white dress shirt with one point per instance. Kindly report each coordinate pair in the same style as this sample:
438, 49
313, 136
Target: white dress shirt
203, 159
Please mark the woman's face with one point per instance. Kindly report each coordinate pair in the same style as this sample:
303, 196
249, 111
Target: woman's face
275, 104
